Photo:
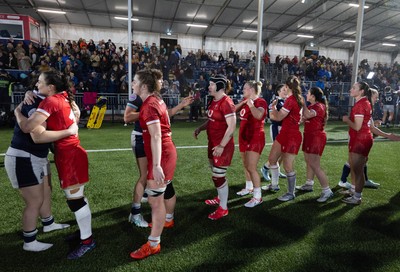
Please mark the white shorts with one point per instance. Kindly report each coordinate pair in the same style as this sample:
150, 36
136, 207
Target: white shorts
24, 169
389, 108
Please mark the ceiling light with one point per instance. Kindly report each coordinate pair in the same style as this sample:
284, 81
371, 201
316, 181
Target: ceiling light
169, 33
390, 37
351, 41
52, 11
357, 5
249, 30
195, 25
302, 1
126, 18
305, 36
388, 44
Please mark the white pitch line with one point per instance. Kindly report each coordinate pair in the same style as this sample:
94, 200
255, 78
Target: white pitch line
194, 146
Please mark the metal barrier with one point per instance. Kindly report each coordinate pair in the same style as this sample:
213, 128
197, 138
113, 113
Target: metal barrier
116, 102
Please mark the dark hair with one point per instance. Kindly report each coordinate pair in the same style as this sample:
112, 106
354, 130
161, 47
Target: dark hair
256, 85
367, 92
278, 88
321, 98
294, 84
54, 77
149, 77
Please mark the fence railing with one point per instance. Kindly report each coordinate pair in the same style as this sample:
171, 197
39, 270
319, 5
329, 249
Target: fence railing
116, 102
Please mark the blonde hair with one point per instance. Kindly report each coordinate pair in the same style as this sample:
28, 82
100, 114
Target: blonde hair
256, 85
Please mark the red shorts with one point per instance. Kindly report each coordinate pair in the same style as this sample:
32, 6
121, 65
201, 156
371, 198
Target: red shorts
168, 161
72, 166
360, 146
256, 143
314, 143
290, 141
226, 156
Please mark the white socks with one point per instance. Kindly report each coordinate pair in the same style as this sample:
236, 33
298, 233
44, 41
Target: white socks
84, 219
223, 196
249, 185
55, 226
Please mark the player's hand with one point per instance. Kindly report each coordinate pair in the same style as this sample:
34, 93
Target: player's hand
196, 133
29, 98
393, 137
73, 129
250, 103
345, 119
217, 150
187, 101
158, 174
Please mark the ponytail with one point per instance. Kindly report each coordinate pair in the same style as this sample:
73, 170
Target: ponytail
321, 98
294, 84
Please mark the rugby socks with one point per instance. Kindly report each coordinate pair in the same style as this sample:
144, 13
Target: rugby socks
274, 175
345, 172
326, 190
135, 210
49, 224
31, 244
30, 236
154, 241
291, 177
257, 193
310, 182
249, 185
169, 217
84, 219
365, 172
47, 221
357, 195
223, 196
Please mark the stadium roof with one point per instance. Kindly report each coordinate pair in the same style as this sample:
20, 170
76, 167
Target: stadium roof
328, 21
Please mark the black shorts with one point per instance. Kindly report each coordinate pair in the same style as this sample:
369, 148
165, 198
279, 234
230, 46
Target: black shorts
137, 144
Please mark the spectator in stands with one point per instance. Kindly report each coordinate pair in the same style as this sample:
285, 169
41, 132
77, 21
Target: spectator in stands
204, 58
95, 61
231, 55
321, 83
12, 60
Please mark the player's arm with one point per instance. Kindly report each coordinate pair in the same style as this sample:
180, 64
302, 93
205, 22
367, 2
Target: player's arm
200, 129
381, 133
356, 125
29, 97
155, 143
76, 111
258, 113
28, 125
40, 135
231, 122
130, 115
307, 113
276, 115
185, 102
239, 105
